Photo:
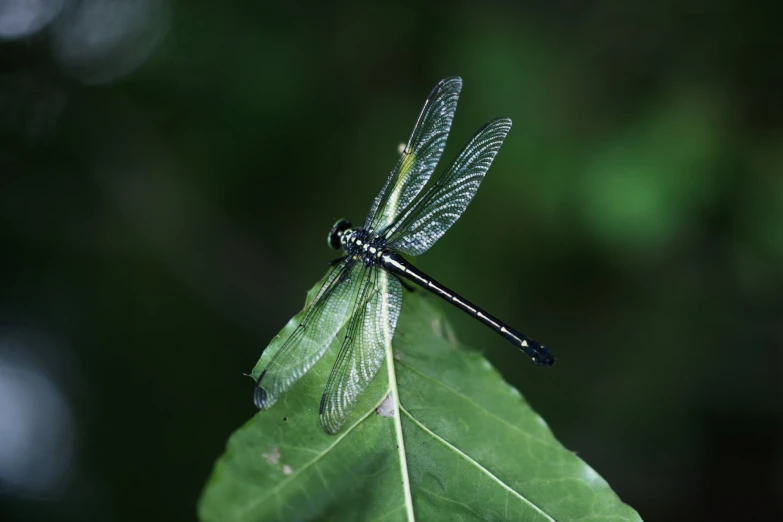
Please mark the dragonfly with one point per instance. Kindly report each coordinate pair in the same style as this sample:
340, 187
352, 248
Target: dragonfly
365, 285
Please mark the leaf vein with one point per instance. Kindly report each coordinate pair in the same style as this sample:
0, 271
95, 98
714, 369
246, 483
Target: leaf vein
477, 405
474, 462
390, 512
447, 499
261, 499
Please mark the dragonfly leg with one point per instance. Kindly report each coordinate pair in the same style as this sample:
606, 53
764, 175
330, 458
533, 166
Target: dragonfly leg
335, 261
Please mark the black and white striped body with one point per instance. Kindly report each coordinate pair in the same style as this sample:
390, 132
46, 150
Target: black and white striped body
364, 245
372, 250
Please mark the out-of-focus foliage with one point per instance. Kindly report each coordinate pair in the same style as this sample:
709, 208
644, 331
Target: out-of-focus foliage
164, 200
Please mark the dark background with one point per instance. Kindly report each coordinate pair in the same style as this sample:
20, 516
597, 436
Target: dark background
169, 171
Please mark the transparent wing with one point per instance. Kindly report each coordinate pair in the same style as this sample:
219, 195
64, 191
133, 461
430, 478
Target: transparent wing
322, 321
432, 214
420, 156
364, 348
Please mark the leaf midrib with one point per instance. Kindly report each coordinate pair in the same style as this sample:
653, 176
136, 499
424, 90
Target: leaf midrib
467, 457
406, 483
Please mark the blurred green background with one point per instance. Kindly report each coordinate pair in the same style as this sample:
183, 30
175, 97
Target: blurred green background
169, 171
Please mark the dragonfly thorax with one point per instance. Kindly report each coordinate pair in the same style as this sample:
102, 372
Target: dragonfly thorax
363, 245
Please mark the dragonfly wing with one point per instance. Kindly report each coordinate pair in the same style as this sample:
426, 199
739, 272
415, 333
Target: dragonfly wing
420, 157
440, 207
368, 338
322, 321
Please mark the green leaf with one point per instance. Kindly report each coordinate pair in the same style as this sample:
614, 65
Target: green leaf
438, 435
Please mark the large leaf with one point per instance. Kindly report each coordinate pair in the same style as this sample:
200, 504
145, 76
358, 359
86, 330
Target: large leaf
438, 435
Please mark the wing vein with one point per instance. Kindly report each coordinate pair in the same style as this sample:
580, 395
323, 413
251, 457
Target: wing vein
427, 218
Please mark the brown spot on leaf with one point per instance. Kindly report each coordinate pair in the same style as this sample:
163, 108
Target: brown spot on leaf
451, 337
386, 408
437, 327
273, 456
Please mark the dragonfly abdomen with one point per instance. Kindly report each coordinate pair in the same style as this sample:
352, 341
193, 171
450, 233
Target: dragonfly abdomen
396, 264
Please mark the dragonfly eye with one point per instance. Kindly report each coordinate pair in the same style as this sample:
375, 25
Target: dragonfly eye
336, 234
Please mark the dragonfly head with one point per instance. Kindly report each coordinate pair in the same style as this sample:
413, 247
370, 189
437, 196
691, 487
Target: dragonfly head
336, 234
